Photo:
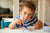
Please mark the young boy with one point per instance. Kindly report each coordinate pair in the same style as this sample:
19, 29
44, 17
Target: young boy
26, 16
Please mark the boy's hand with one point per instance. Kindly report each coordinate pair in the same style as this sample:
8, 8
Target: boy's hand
38, 25
19, 21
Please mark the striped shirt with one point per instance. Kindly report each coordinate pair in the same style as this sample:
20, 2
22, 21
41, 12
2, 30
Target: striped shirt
33, 20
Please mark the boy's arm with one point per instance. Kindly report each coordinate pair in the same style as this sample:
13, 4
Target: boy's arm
17, 21
13, 24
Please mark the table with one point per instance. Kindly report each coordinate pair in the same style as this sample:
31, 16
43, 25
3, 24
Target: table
20, 30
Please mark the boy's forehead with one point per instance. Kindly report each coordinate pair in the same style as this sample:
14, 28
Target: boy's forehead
27, 9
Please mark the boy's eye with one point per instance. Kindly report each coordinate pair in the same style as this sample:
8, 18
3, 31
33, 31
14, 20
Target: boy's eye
24, 12
29, 14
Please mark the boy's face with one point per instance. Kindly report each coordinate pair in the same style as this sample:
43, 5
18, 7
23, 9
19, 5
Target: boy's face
26, 13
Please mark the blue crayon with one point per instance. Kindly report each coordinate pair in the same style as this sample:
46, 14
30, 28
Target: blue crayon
24, 26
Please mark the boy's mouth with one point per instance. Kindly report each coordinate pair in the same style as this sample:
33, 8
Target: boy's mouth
25, 19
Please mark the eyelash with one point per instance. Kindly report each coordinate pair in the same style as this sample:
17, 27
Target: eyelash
24, 12
29, 14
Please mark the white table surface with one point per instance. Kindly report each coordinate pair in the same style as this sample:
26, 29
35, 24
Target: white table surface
21, 30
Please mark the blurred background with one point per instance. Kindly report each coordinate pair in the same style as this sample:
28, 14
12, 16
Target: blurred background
6, 9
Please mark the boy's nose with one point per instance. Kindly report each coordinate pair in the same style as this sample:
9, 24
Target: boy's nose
26, 16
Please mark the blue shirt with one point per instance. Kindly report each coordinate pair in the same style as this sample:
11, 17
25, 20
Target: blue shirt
30, 22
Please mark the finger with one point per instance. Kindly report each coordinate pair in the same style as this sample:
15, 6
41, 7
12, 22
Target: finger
23, 23
17, 22
20, 23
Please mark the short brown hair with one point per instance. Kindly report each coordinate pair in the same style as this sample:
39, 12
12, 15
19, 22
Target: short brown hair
29, 4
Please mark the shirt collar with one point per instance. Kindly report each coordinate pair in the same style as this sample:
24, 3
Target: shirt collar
23, 20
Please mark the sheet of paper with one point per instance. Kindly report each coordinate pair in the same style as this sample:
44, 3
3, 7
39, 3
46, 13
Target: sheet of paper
30, 29
46, 29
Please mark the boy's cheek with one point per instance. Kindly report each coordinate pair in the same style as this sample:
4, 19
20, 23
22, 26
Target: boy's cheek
29, 18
